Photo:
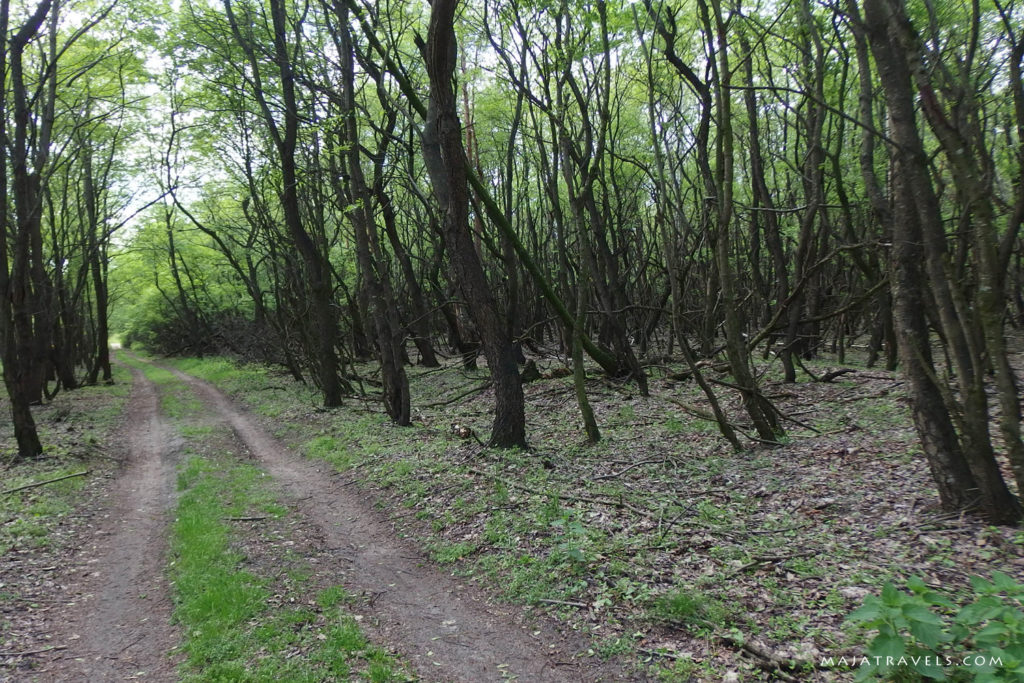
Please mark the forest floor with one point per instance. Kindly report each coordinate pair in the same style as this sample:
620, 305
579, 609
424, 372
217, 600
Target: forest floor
99, 589
656, 554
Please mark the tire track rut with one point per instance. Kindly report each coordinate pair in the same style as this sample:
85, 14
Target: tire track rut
446, 630
118, 626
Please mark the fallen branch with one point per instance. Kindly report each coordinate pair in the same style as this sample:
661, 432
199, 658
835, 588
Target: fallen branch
43, 483
564, 496
768, 661
765, 658
563, 602
829, 376
438, 404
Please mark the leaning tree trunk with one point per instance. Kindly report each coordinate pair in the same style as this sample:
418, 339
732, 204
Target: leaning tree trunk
446, 164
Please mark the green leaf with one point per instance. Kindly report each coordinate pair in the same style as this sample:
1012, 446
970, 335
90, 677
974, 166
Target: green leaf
982, 668
891, 596
985, 608
866, 672
927, 634
922, 614
987, 677
576, 555
1015, 652
938, 599
1006, 583
869, 611
928, 667
992, 633
886, 645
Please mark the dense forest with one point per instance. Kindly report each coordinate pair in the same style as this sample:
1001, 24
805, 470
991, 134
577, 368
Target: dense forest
731, 186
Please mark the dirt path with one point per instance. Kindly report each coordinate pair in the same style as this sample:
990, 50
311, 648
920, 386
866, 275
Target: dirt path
446, 630
117, 624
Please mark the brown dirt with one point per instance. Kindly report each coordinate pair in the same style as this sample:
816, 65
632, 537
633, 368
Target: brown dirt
446, 630
114, 622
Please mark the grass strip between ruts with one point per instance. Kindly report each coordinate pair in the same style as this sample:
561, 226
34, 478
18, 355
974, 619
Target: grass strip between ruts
238, 622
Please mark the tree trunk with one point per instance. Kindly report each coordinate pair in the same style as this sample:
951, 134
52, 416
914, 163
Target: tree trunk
383, 309
760, 410
446, 164
285, 140
964, 468
15, 294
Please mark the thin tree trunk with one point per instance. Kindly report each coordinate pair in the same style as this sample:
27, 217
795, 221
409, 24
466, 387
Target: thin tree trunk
760, 410
383, 309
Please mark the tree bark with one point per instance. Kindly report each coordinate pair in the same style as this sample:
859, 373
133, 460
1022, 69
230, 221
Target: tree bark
964, 468
285, 140
446, 164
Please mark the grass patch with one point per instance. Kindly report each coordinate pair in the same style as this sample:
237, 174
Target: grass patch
690, 608
213, 597
245, 620
234, 627
331, 450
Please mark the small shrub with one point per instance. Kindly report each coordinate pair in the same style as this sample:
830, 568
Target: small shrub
925, 635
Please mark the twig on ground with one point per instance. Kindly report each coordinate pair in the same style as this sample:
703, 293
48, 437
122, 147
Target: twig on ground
474, 390
767, 559
656, 653
43, 483
753, 532
246, 519
563, 602
52, 648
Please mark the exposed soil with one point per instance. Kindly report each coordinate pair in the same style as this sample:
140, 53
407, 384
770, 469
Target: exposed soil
446, 630
112, 620
108, 614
